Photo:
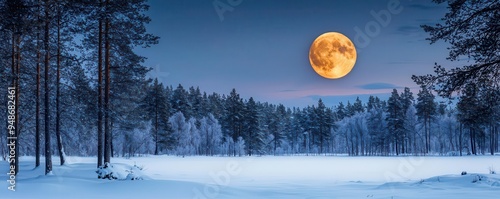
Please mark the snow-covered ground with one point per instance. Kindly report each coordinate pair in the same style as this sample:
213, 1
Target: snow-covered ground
264, 177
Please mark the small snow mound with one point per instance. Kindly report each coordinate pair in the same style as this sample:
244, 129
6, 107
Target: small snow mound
444, 181
463, 180
391, 185
135, 173
120, 172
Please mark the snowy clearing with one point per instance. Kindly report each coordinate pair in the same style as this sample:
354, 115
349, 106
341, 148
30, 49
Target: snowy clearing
264, 177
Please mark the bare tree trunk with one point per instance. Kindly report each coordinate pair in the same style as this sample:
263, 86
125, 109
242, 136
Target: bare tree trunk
60, 147
37, 99
460, 139
320, 139
426, 140
450, 137
427, 136
415, 143
48, 157
112, 151
396, 147
492, 140
472, 145
37, 120
496, 140
156, 131
207, 146
107, 130
100, 153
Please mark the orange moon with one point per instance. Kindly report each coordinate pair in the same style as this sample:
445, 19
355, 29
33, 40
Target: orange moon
332, 55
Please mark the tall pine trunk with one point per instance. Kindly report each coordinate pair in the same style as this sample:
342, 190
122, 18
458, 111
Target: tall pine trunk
428, 134
48, 157
320, 139
37, 101
460, 138
472, 140
100, 153
495, 139
492, 139
107, 128
60, 147
156, 128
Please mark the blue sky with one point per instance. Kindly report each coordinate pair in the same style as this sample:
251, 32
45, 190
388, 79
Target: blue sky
260, 47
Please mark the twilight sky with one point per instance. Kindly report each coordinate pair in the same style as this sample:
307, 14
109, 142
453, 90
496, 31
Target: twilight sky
261, 47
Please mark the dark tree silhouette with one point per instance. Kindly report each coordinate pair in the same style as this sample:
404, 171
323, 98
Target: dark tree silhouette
472, 28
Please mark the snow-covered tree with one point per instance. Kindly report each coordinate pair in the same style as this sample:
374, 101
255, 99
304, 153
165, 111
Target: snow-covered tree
233, 122
340, 111
239, 147
136, 141
155, 107
411, 126
377, 130
196, 101
180, 102
406, 102
395, 120
324, 123
187, 134
179, 126
448, 134
426, 110
210, 135
227, 147
254, 136
296, 131
473, 113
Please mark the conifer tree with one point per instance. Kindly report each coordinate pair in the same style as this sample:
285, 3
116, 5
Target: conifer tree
426, 109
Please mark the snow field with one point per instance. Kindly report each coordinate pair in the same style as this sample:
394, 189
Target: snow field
264, 177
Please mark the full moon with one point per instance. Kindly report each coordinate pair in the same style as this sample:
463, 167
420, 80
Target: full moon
332, 55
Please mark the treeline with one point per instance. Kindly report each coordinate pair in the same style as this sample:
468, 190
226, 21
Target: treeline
400, 125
